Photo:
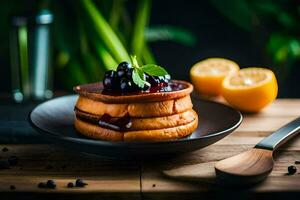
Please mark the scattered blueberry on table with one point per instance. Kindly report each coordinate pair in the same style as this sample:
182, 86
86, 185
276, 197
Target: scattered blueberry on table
12, 187
51, 184
70, 185
292, 169
5, 149
80, 183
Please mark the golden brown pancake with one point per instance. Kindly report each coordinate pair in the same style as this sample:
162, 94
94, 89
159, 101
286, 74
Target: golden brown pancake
145, 123
148, 109
98, 132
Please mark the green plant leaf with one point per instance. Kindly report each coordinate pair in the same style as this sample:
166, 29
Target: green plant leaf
115, 13
238, 11
171, 33
105, 32
141, 21
147, 55
134, 61
277, 46
137, 77
154, 70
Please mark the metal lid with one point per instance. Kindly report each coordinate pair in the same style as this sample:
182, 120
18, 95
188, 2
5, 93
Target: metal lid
44, 17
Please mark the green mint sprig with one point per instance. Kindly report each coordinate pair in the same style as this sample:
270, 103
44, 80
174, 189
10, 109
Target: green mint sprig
138, 73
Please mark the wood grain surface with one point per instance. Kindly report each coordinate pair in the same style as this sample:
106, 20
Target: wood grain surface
111, 179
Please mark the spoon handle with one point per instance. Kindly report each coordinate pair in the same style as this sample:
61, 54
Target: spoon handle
279, 137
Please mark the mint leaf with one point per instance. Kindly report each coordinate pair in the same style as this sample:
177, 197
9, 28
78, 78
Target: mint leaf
134, 61
154, 70
138, 78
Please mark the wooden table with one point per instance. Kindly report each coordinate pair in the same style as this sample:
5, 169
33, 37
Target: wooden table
143, 179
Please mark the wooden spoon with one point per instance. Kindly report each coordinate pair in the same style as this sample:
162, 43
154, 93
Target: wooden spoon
254, 165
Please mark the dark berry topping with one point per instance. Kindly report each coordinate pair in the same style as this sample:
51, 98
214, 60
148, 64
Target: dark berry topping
121, 73
153, 80
124, 66
111, 80
110, 73
122, 69
108, 83
292, 169
129, 74
147, 86
162, 79
121, 80
125, 85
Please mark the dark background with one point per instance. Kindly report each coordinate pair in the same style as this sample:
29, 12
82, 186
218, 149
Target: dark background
216, 37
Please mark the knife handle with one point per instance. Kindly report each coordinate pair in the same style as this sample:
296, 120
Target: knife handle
279, 137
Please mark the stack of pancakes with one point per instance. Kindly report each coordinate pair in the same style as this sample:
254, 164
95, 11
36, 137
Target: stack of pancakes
137, 117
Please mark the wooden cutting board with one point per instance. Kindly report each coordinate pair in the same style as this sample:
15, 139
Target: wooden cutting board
144, 179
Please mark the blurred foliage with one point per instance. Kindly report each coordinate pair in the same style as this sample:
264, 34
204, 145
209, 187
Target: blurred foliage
91, 36
277, 20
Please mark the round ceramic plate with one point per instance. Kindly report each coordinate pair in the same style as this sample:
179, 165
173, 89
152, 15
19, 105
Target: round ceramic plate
54, 120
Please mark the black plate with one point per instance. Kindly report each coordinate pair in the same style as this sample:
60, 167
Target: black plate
54, 119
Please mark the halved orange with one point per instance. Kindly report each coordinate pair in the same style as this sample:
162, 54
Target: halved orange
251, 89
207, 75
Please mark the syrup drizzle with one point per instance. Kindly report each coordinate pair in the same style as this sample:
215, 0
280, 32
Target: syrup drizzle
123, 123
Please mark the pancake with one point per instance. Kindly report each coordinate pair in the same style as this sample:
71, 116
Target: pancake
159, 114
97, 132
144, 123
147, 109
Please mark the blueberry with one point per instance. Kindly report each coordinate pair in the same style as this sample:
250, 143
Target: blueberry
80, 183
51, 184
124, 66
108, 83
121, 73
125, 85
147, 86
110, 73
129, 74
12, 187
153, 80
70, 185
292, 169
